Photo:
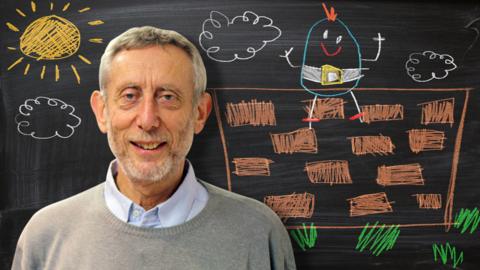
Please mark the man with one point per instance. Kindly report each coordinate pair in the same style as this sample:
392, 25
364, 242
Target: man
152, 212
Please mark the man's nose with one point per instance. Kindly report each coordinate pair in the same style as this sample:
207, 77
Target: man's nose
148, 117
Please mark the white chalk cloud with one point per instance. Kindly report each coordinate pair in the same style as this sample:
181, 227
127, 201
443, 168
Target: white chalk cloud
240, 38
428, 65
46, 118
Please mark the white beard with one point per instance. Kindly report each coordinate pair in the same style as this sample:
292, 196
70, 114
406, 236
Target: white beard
153, 173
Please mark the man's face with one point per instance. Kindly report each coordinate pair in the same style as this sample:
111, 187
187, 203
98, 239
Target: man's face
149, 113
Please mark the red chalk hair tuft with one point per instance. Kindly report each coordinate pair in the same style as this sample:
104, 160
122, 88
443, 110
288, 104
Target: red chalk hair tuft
331, 15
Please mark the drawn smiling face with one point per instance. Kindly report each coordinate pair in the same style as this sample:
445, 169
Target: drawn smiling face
338, 41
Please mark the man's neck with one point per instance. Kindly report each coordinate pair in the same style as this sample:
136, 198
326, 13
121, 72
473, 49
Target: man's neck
149, 194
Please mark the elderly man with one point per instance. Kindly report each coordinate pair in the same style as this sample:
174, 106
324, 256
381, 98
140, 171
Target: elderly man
152, 212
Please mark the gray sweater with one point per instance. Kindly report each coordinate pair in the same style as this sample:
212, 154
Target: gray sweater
231, 232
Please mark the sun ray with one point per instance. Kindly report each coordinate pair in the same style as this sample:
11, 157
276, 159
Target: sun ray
27, 67
84, 59
84, 9
43, 72
96, 22
66, 6
76, 73
18, 61
96, 40
12, 27
57, 73
57, 26
21, 12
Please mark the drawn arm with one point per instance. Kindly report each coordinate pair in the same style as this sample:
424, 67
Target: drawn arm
473, 25
379, 39
287, 57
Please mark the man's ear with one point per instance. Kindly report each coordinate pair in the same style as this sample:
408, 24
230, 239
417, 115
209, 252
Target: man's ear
204, 107
98, 106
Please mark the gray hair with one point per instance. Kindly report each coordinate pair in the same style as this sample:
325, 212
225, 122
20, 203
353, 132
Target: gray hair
141, 37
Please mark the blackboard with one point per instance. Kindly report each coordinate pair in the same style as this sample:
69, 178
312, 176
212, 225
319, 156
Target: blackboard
391, 138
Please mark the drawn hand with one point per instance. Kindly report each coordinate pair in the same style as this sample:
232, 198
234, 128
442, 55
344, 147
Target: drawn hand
287, 53
287, 57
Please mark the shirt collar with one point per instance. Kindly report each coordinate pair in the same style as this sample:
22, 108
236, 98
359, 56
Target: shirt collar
175, 210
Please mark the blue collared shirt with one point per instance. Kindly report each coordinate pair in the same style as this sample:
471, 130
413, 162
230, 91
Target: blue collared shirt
187, 201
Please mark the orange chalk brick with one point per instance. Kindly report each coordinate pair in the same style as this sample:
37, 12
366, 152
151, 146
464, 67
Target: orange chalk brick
429, 201
292, 206
369, 204
381, 112
326, 108
251, 113
362, 145
329, 172
438, 111
406, 174
425, 140
252, 166
302, 140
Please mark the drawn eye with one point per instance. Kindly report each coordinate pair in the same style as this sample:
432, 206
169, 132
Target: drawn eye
339, 38
325, 34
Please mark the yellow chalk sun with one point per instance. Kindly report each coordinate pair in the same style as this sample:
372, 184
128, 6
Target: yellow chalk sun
50, 38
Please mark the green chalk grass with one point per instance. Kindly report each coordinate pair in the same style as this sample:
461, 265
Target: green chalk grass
378, 239
305, 238
446, 252
466, 219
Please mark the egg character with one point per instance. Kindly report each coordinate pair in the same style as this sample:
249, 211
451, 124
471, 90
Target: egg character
331, 57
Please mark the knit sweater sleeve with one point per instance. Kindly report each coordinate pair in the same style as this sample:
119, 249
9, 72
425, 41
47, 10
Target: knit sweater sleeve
282, 257
37, 244
22, 259
29, 248
276, 244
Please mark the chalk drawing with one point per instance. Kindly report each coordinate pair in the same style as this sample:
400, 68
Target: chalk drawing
438, 112
362, 145
426, 140
382, 112
378, 239
48, 39
369, 204
428, 65
46, 118
305, 238
328, 172
467, 218
404, 174
429, 201
474, 26
445, 252
253, 113
218, 31
252, 166
326, 47
291, 205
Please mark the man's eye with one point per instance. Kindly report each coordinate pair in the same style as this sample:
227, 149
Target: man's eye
130, 96
167, 97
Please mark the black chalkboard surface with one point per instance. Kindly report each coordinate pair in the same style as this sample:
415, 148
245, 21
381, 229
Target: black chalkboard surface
355, 121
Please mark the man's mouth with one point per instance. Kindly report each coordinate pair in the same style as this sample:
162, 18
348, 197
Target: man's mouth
149, 145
